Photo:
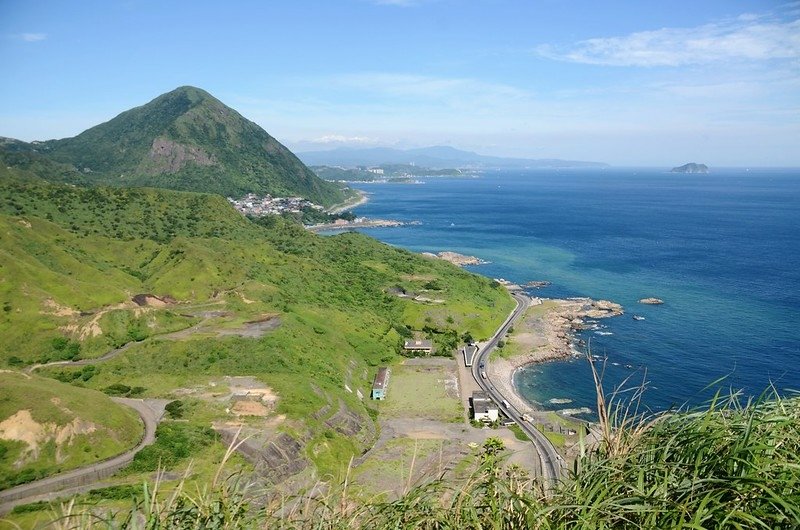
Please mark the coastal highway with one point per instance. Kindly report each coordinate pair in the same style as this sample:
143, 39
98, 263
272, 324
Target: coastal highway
552, 462
85, 478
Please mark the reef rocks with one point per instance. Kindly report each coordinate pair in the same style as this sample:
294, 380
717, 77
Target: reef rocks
651, 301
460, 259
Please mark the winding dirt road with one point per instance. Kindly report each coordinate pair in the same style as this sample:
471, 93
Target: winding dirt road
83, 479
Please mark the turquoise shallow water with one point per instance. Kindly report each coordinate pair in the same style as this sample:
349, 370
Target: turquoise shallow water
722, 250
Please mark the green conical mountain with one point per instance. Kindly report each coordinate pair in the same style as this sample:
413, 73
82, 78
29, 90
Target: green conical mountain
189, 140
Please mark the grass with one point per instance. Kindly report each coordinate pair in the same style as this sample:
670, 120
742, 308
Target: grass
512, 346
732, 464
419, 391
67, 250
519, 434
54, 405
389, 472
556, 438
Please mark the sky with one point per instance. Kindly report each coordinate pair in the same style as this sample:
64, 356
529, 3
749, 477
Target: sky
635, 83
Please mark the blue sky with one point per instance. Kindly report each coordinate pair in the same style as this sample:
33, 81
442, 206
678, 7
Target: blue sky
653, 83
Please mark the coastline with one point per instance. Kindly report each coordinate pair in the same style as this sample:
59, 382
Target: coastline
546, 333
363, 223
361, 199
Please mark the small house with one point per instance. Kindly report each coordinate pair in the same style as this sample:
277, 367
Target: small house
483, 408
380, 384
424, 346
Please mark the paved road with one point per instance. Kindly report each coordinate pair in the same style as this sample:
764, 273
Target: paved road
85, 478
552, 463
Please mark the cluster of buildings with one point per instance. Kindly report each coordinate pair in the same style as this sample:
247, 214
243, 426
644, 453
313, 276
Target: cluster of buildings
483, 408
252, 204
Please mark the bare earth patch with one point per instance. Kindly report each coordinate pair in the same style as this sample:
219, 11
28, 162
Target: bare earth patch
51, 307
23, 428
254, 328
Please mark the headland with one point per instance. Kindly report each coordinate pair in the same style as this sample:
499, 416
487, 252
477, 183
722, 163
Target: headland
545, 333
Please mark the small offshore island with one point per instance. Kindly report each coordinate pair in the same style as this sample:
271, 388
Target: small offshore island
690, 168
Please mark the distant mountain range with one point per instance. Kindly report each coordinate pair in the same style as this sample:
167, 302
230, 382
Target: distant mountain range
435, 157
183, 140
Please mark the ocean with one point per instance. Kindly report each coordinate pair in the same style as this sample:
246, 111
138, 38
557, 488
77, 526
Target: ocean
722, 250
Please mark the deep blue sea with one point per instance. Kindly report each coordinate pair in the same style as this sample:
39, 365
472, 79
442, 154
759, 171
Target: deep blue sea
722, 250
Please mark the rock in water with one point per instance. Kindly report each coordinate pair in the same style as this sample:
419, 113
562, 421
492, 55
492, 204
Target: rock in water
651, 301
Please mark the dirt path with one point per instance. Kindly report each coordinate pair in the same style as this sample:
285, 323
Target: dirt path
86, 478
253, 329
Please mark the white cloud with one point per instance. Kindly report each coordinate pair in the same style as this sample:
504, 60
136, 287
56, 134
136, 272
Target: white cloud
748, 37
33, 37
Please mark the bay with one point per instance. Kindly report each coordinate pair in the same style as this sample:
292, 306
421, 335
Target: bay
722, 250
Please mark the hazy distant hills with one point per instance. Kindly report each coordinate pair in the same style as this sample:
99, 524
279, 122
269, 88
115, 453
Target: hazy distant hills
436, 157
183, 140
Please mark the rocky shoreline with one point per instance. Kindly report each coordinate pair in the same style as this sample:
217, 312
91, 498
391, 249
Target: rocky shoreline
546, 333
456, 259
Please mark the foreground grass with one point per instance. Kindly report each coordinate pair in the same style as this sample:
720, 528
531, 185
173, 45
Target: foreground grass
730, 465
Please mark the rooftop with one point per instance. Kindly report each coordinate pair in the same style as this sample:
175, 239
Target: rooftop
381, 377
418, 344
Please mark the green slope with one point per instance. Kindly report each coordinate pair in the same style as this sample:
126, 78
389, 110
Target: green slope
183, 140
72, 259
63, 432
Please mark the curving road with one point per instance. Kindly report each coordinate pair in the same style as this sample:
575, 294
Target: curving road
85, 478
552, 463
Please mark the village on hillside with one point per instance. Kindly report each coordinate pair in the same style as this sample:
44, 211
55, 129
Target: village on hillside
252, 204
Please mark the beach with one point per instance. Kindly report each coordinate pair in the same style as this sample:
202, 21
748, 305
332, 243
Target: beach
545, 333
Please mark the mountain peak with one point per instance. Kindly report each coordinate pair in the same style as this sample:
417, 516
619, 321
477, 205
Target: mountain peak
190, 93
187, 139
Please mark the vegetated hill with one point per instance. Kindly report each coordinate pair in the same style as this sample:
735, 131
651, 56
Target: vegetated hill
74, 258
186, 140
47, 426
433, 157
24, 159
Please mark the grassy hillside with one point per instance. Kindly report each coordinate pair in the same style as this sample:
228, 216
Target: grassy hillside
184, 140
731, 465
73, 259
46, 427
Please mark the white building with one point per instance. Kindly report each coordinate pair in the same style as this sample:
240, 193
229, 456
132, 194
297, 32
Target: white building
483, 408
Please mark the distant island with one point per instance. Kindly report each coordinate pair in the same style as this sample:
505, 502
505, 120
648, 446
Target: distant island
690, 168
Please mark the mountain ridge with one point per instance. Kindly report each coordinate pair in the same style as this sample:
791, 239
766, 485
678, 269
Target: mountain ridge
434, 156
